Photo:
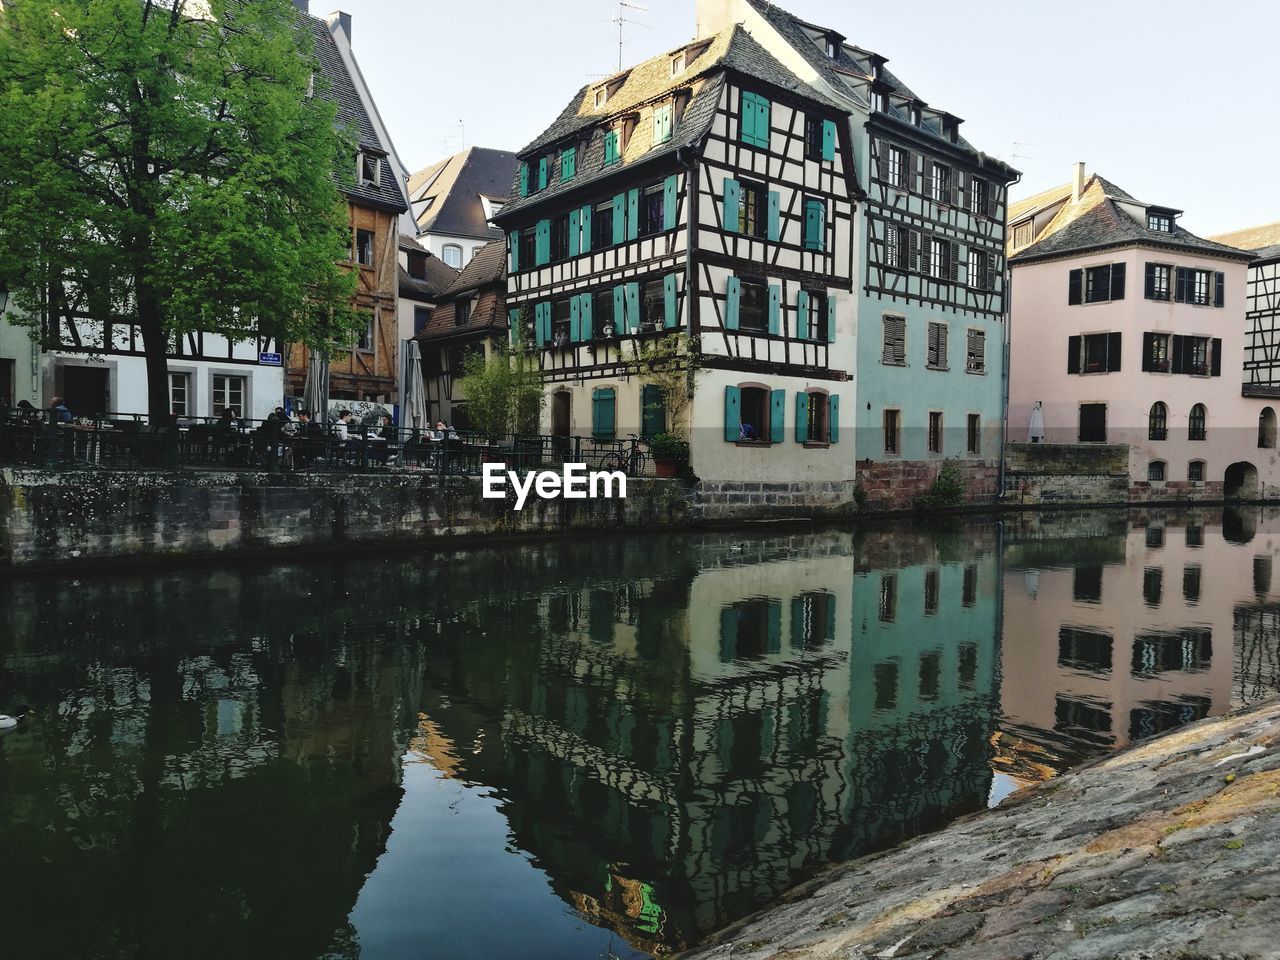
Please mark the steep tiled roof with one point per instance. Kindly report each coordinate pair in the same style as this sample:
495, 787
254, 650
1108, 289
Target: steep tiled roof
651, 80
1263, 240
451, 190
336, 85
439, 275
1096, 222
1062, 193
489, 265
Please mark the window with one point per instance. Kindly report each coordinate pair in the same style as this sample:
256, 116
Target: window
939, 183
1158, 423
892, 430
815, 223
886, 683
364, 337
817, 419
753, 306
180, 394
930, 592
895, 341
652, 207
461, 312
978, 191
653, 411
755, 414
528, 249
1155, 471
364, 248
421, 316
752, 211
560, 238
930, 674
1156, 282
936, 351
813, 138
452, 256
1196, 423
895, 247
602, 226
888, 606
1023, 234
1193, 286
969, 586
976, 352
967, 668
611, 153
602, 319
939, 256
1261, 576
1194, 535
602, 95
560, 313
814, 326
228, 394
370, 170
1191, 582
975, 434
1093, 423
977, 274
754, 124
1155, 352
1195, 471
677, 63
1097, 284
1094, 353
899, 167
1161, 222
1152, 585
603, 412
568, 163
1081, 649
662, 123
812, 620
1195, 356
1267, 428
1155, 537
1086, 584
935, 431
417, 265
653, 305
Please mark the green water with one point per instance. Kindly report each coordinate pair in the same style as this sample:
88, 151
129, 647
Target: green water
591, 749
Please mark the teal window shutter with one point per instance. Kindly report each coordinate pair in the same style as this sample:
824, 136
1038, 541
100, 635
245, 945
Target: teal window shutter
619, 309
575, 319
633, 307
777, 415
546, 321
575, 232
802, 315
633, 213
653, 411
762, 122
670, 200
671, 317
754, 127
831, 318
775, 309
620, 218
611, 147
542, 173
513, 322
731, 201
802, 417
568, 163
733, 293
603, 405
542, 243
815, 217
585, 326
524, 179
537, 325
833, 418
828, 140
775, 216
513, 244
747, 121
662, 123
584, 224
732, 414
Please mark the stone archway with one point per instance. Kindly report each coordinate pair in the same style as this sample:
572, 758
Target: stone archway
1240, 481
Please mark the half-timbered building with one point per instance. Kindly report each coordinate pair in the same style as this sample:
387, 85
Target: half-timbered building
1262, 308
706, 193
929, 272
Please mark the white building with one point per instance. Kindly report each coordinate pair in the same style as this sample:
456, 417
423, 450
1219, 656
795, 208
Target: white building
454, 200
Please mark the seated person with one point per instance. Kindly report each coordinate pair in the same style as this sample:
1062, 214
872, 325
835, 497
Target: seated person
747, 432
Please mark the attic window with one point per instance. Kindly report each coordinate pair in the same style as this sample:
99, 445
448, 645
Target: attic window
677, 63
833, 48
1161, 222
417, 265
602, 94
370, 170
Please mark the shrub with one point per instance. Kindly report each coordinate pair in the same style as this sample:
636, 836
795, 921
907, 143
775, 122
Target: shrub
667, 446
948, 488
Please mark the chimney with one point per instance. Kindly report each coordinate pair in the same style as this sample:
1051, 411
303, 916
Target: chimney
303, 5
715, 16
343, 21
1077, 182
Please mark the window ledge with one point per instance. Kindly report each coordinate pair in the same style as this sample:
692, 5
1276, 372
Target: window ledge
939, 369
817, 444
893, 363
977, 373
752, 443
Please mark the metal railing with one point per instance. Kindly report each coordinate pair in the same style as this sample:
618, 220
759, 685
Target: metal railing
118, 441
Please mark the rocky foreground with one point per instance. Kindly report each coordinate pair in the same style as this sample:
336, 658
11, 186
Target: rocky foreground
1168, 849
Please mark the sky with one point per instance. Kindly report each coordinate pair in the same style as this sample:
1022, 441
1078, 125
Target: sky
1168, 99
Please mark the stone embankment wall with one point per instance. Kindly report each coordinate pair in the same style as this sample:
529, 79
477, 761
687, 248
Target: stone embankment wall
49, 518
1167, 849
728, 500
1060, 474
891, 485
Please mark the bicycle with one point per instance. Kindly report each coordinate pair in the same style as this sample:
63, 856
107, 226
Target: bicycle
633, 461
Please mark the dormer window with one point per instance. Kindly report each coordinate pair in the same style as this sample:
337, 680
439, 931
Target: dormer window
678, 63
370, 170
602, 94
833, 48
1160, 222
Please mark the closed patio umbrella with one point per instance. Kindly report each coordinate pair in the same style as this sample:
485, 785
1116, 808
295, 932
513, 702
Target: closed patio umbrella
413, 391
315, 392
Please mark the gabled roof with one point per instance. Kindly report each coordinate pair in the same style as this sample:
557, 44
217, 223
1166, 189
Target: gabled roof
1263, 241
730, 50
446, 195
439, 275
339, 88
489, 265
1097, 222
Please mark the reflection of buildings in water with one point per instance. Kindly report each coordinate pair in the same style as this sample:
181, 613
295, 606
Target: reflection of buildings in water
1257, 652
1125, 634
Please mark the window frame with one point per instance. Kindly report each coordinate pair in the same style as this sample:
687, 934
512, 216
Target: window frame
1195, 471
754, 284
973, 334
449, 248
217, 405
891, 430
1198, 422
753, 209
652, 210
756, 392
1158, 421
363, 244
935, 441
939, 186
818, 417
182, 380
1157, 467
973, 435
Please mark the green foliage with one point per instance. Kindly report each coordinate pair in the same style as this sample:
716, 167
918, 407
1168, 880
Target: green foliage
948, 488
668, 446
670, 362
164, 166
504, 392
860, 496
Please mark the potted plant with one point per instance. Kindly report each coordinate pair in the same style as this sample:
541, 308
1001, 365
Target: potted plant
670, 454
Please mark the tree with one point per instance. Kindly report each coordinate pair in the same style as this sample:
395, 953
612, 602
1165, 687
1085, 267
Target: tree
504, 392
164, 165
670, 362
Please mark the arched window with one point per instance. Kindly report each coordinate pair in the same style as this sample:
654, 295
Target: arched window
1158, 422
1195, 471
1155, 470
1267, 428
452, 255
1196, 422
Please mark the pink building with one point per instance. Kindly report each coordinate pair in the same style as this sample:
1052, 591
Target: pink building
1129, 329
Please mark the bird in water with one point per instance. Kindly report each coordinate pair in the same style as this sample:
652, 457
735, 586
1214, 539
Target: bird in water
9, 722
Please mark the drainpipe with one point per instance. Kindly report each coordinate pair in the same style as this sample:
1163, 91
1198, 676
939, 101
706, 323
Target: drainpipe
1008, 337
690, 165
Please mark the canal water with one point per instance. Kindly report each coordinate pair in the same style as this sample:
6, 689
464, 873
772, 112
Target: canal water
604, 748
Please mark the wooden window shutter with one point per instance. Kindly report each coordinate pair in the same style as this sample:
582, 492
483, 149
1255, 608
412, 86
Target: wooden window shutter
575, 319
992, 270
733, 293
1149, 281
732, 414
524, 179
1113, 352
833, 435
1179, 284
633, 213
1219, 289
774, 231
1148, 340
777, 415
542, 173
882, 160
603, 405
1215, 368
586, 324
763, 123
1117, 281
584, 227
633, 306
731, 204
568, 163
775, 309
620, 218
957, 189
513, 245
671, 313
828, 140
832, 301
747, 117
1178, 365
802, 315
670, 201
542, 243
913, 240
943, 355
620, 309
513, 324
575, 232
993, 201
1075, 280
1073, 354
926, 254
890, 339
931, 347
955, 261
802, 417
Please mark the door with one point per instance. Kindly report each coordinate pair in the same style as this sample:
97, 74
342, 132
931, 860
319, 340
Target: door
561, 419
1093, 423
6, 382
86, 390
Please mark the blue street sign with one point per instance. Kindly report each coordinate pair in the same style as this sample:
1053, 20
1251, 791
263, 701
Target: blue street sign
270, 360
